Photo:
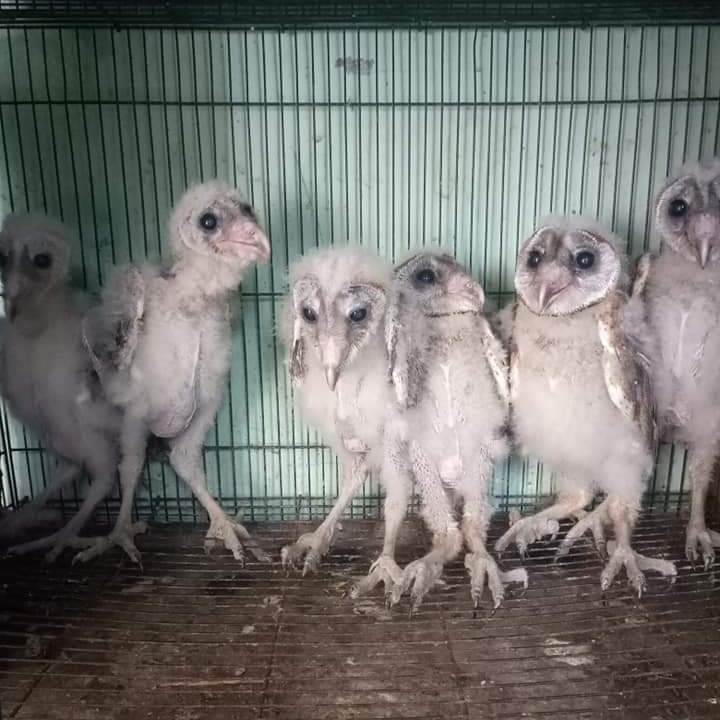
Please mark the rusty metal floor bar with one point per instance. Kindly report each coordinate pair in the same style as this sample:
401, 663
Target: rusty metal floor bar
197, 637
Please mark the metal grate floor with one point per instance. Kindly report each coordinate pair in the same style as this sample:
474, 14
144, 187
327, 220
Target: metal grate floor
201, 638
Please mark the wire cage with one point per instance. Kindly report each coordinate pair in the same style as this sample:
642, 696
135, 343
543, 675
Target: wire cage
395, 125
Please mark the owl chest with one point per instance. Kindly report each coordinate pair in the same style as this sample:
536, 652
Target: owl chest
561, 372
172, 367
354, 415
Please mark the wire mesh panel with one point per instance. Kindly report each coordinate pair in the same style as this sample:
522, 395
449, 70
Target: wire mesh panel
392, 137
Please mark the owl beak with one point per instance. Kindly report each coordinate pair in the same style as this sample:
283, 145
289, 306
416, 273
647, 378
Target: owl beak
703, 248
703, 230
547, 294
245, 238
331, 375
333, 356
467, 294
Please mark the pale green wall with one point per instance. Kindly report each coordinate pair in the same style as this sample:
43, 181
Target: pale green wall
394, 139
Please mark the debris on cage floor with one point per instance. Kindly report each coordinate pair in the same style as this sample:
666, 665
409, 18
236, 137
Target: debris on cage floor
196, 637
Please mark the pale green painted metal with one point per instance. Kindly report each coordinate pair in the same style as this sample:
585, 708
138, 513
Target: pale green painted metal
395, 139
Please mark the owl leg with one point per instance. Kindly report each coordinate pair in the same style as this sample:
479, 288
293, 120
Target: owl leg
594, 521
421, 574
700, 472
622, 555
34, 514
133, 454
398, 487
313, 546
527, 530
478, 562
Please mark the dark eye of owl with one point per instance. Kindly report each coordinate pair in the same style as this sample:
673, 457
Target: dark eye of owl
584, 259
42, 261
309, 314
426, 275
534, 258
208, 221
677, 208
358, 314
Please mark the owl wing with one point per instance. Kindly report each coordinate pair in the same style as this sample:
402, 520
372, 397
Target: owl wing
111, 329
641, 274
405, 367
626, 377
497, 358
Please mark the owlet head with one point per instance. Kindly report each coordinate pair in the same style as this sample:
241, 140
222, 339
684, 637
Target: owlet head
566, 266
437, 286
338, 299
34, 260
687, 213
214, 220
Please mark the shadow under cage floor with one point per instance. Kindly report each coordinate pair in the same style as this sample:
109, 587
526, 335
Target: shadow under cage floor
195, 637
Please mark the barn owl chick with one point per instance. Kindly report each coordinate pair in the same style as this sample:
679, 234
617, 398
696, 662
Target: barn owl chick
332, 327
580, 400
161, 343
679, 292
46, 377
449, 371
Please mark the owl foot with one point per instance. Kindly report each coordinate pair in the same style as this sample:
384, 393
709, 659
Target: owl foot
594, 521
421, 575
122, 536
57, 541
481, 564
310, 546
526, 531
699, 535
634, 564
384, 570
229, 532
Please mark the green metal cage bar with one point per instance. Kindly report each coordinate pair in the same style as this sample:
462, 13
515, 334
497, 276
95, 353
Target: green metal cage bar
394, 136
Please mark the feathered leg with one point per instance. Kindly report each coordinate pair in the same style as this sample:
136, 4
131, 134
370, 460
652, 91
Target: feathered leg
623, 518
700, 471
186, 460
398, 487
31, 514
133, 440
527, 530
479, 562
437, 512
68, 536
314, 545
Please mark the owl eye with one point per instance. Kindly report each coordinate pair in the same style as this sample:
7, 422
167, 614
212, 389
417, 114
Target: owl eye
208, 221
309, 314
534, 258
584, 259
426, 276
358, 315
677, 208
42, 261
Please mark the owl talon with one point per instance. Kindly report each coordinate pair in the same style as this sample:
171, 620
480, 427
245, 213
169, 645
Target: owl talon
308, 549
526, 531
698, 536
383, 570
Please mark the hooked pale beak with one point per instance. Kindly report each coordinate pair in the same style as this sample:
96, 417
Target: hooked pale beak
331, 375
702, 248
547, 295
244, 237
467, 294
